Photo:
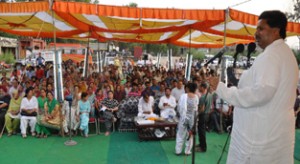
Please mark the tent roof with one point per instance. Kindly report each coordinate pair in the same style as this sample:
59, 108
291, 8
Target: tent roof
127, 24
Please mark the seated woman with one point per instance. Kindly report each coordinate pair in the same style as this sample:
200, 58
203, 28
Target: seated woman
109, 106
51, 117
29, 108
84, 108
145, 106
41, 101
12, 117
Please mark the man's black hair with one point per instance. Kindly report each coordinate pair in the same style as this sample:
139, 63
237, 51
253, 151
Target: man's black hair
277, 19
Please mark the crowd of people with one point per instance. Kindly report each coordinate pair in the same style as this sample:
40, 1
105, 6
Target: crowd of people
27, 98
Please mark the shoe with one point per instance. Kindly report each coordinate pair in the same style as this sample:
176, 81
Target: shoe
200, 150
33, 134
24, 136
107, 133
86, 136
187, 154
177, 154
14, 132
9, 134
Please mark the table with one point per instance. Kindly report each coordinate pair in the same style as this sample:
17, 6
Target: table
146, 131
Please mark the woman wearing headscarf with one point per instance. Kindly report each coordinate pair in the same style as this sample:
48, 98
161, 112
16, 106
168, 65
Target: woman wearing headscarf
51, 117
12, 117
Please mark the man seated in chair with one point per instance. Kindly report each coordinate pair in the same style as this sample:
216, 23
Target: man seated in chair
145, 106
167, 105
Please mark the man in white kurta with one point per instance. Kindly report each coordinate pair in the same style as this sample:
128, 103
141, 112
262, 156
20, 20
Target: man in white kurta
264, 123
167, 105
145, 106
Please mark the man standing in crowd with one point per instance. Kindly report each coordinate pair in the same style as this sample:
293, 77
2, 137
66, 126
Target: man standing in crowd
204, 108
264, 121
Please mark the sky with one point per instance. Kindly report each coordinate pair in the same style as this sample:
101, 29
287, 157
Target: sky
250, 6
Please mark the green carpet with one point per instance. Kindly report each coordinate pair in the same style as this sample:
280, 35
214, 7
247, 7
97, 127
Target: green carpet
126, 149
297, 145
215, 145
119, 148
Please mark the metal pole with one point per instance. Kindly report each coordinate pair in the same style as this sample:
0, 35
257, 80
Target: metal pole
223, 67
189, 57
86, 61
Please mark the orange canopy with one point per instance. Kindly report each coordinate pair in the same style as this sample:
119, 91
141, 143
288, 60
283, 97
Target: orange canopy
195, 28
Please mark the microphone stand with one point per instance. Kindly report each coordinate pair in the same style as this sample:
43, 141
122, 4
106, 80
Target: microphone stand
70, 142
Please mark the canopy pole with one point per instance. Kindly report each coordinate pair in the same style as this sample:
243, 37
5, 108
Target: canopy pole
189, 59
223, 68
57, 84
86, 61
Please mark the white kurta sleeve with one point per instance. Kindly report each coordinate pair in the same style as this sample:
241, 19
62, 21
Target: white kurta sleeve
173, 102
160, 104
23, 103
266, 75
140, 106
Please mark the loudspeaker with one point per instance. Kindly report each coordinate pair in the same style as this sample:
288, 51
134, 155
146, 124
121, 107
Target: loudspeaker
145, 57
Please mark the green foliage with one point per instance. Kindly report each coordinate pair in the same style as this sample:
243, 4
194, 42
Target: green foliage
297, 55
200, 55
295, 15
133, 4
4, 34
7, 57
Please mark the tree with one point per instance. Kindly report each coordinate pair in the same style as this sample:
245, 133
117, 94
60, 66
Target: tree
133, 4
295, 15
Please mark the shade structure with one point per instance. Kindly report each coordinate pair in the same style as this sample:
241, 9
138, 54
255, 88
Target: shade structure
129, 24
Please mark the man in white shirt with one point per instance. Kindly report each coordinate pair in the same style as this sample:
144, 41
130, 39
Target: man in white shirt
264, 121
145, 106
167, 105
178, 91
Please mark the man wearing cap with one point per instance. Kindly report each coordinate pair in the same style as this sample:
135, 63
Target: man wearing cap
264, 122
4, 102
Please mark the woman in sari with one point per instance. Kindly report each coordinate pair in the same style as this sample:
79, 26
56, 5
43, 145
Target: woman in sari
109, 106
12, 117
51, 117
41, 101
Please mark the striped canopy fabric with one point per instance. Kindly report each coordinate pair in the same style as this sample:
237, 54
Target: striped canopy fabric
190, 28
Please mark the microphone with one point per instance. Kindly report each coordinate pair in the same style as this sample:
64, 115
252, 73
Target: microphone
251, 48
239, 49
218, 55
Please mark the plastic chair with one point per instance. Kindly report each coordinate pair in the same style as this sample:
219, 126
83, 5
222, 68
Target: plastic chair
93, 120
101, 120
